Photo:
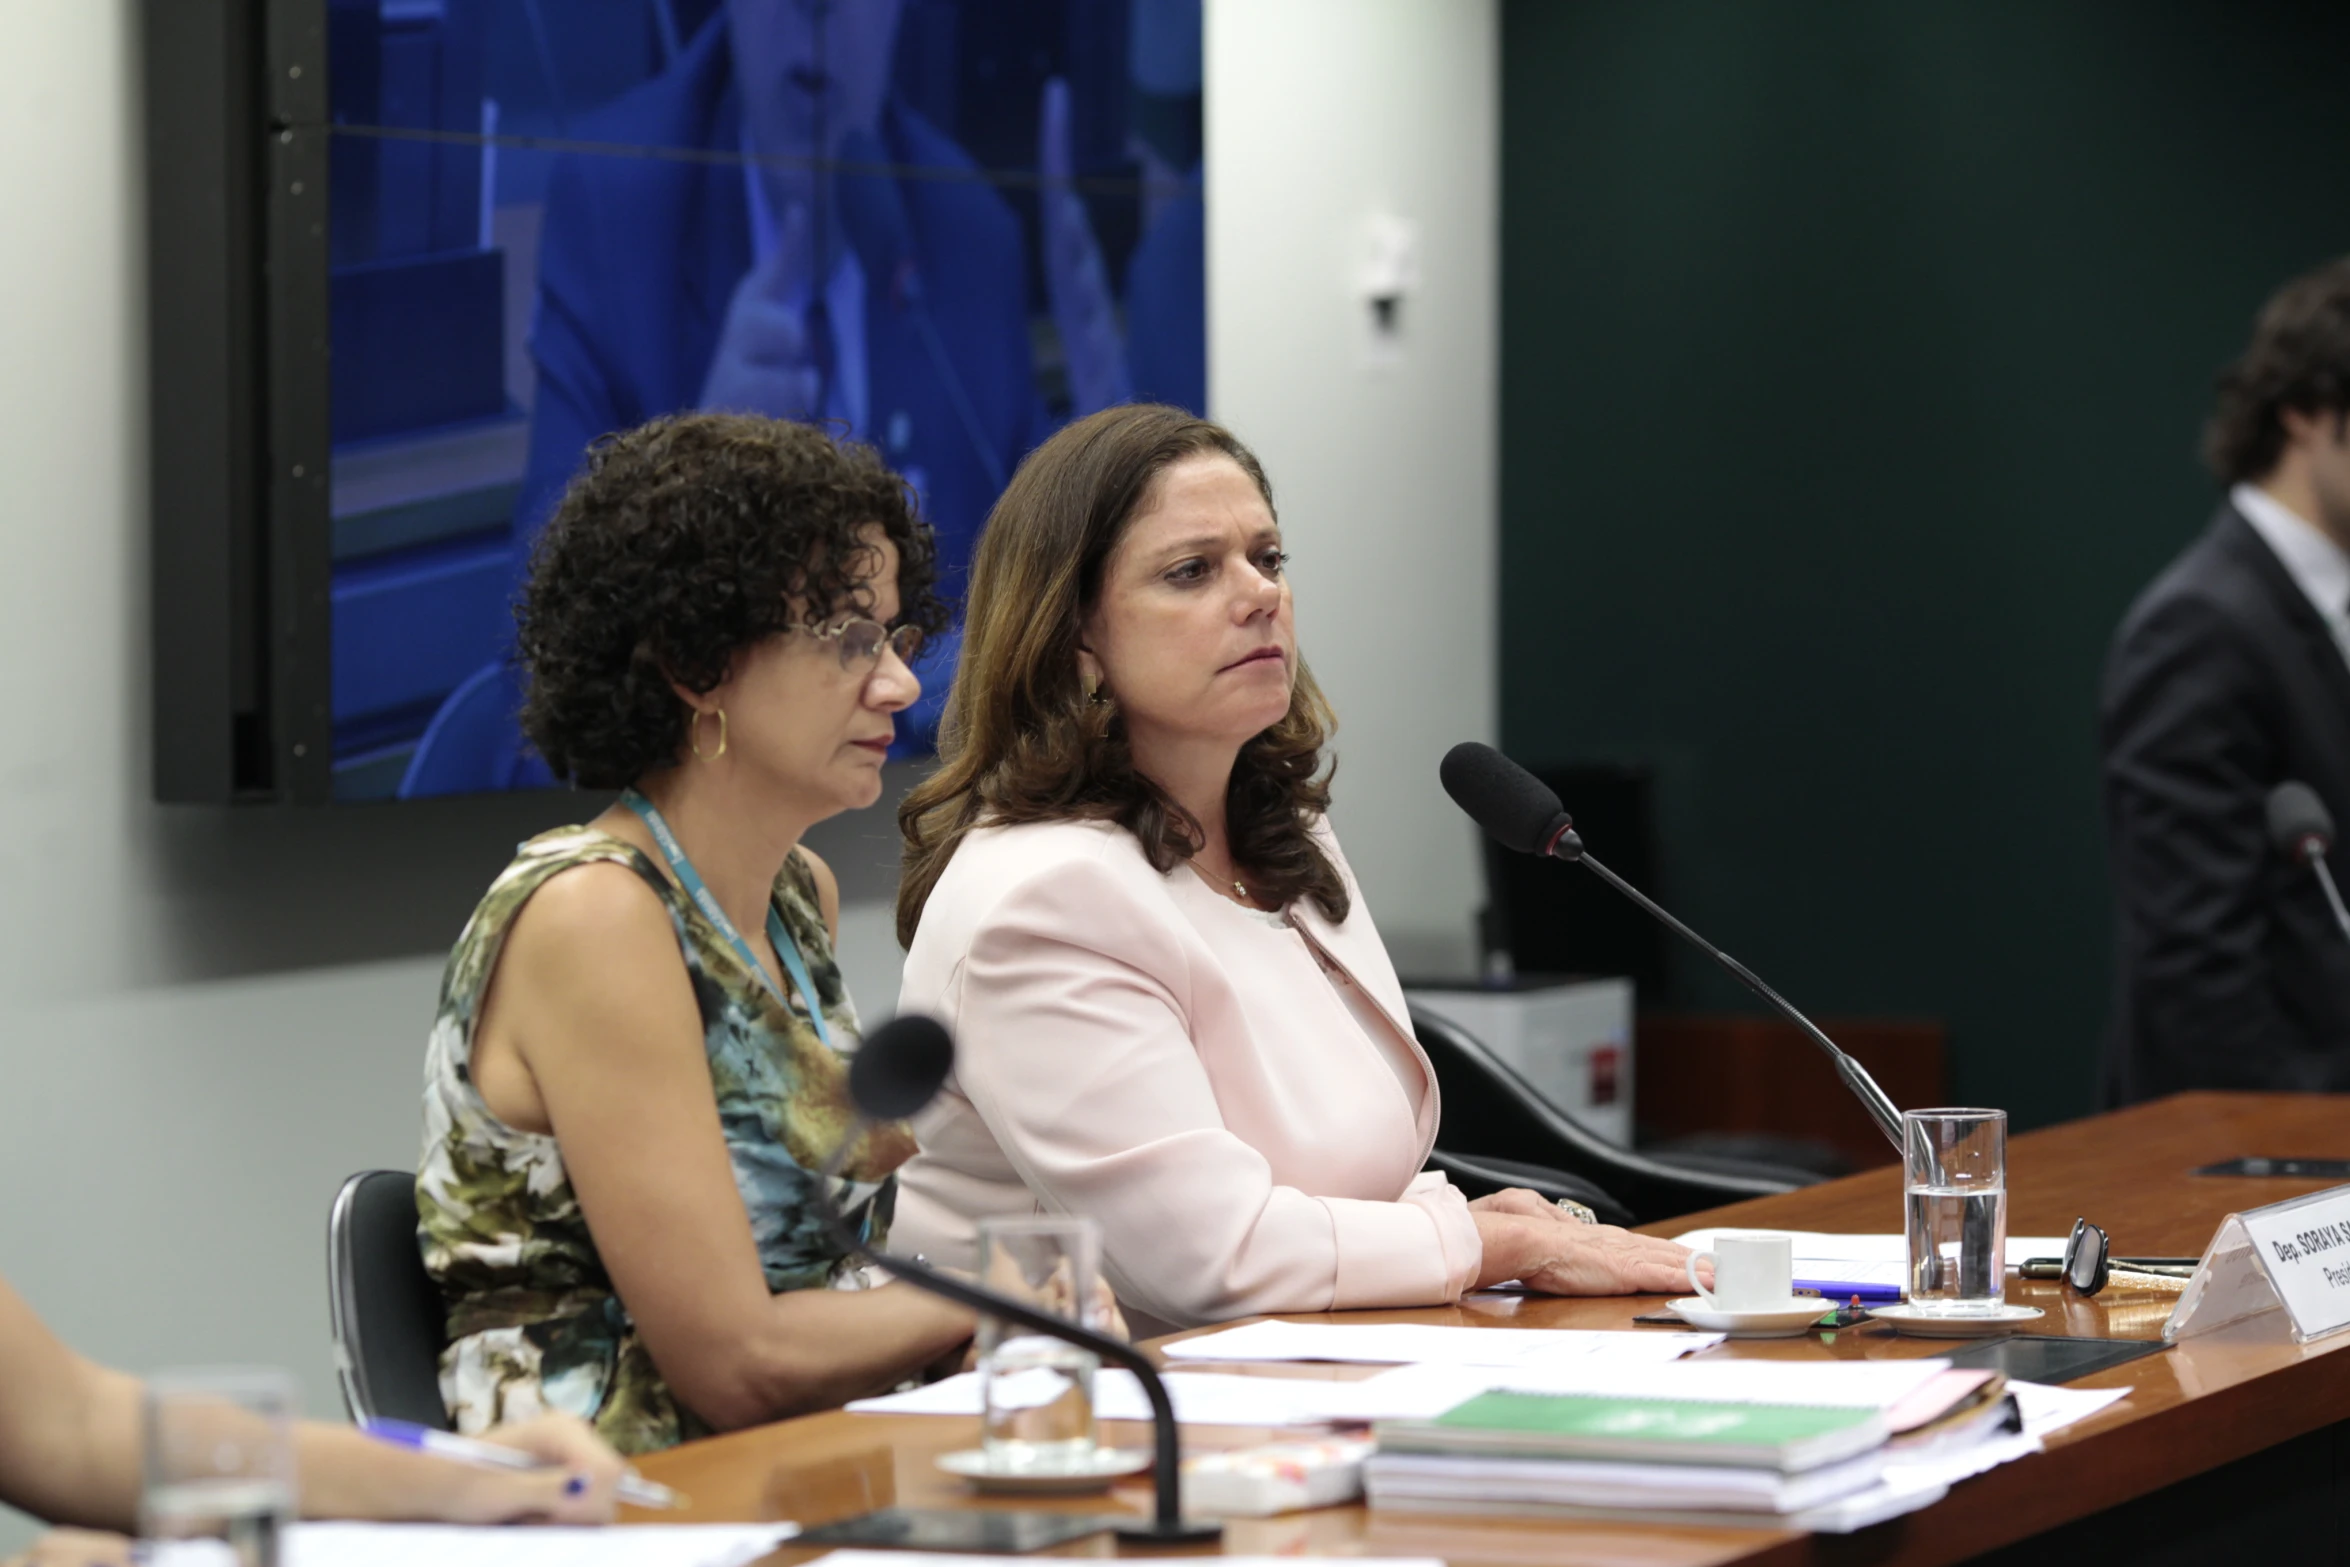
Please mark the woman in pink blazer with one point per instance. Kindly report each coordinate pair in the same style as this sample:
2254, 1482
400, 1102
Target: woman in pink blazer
1173, 1012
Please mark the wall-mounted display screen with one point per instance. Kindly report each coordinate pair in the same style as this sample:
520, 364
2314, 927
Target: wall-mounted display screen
944, 226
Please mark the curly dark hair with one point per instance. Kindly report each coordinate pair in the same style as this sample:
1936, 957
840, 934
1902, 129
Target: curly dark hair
683, 542
1021, 742
2299, 358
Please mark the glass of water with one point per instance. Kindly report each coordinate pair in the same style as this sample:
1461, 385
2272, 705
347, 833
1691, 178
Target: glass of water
218, 1459
1955, 1190
1036, 1391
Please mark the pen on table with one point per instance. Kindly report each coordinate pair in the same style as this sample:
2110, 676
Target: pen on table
634, 1489
1869, 1294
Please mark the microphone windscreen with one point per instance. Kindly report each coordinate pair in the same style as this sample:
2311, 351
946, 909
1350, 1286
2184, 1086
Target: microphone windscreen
873, 214
900, 1067
2296, 816
1516, 807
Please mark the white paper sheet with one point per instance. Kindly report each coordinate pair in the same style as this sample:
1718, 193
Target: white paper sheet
2047, 1409
1200, 1399
1423, 1392
2044, 1409
1865, 1259
951, 1559
1902, 1492
460, 1545
1418, 1343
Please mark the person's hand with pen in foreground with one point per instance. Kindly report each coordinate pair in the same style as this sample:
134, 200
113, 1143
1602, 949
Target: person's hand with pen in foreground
70, 1455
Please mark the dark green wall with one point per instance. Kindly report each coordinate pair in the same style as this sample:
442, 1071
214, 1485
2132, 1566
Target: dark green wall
1853, 360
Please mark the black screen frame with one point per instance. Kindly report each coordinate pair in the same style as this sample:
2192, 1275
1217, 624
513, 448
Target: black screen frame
236, 144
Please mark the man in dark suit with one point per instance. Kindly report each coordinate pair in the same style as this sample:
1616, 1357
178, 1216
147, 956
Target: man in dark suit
894, 306
2230, 675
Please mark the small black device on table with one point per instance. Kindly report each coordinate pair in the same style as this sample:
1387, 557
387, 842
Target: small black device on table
2048, 1357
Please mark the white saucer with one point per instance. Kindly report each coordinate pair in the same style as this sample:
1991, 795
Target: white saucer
1906, 1318
1796, 1316
1104, 1465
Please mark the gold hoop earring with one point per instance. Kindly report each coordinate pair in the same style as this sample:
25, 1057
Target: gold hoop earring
693, 734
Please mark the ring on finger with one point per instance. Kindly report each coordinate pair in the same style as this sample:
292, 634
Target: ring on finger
1581, 1213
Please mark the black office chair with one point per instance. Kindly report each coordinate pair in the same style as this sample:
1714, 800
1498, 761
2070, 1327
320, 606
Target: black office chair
1478, 1176
389, 1318
1492, 1113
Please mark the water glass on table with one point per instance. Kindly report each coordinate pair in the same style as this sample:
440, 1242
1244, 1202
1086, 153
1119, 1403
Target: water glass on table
1036, 1391
218, 1459
1954, 1166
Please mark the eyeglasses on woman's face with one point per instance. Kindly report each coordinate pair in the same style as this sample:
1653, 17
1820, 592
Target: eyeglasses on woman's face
860, 641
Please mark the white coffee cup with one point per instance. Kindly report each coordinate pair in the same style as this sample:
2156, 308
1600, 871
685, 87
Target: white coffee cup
1751, 1272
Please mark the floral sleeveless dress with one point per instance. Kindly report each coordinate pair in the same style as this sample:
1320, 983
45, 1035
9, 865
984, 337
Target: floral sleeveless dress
533, 1321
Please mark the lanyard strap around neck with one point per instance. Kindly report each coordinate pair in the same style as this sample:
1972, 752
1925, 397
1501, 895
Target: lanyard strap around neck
699, 891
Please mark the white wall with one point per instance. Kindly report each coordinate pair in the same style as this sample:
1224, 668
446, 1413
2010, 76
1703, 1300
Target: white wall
1322, 114
183, 1078
207, 1018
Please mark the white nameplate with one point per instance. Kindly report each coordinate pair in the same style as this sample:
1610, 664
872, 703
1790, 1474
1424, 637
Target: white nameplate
2293, 1255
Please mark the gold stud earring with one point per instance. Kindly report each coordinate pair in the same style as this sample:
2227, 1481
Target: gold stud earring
693, 734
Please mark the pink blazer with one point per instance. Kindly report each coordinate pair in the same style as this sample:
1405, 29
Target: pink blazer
1134, 1047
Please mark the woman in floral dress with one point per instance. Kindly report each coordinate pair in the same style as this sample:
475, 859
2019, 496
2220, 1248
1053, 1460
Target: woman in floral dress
639, 1063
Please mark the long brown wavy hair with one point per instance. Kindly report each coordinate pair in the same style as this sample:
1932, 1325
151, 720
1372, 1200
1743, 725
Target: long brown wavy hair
1021, 740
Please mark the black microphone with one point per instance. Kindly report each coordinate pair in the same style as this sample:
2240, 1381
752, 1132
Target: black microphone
1520, 812
898, 1069
881, 232
2303, 831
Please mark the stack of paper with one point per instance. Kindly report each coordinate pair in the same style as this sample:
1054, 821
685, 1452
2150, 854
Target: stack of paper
1424, 1392
1673, 1493
1629, 1457
1749, 1444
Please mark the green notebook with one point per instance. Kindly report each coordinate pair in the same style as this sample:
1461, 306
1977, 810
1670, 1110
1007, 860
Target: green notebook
1785, 1437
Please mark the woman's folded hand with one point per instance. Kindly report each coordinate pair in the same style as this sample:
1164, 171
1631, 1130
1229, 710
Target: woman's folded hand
1551, 1252
1599, 1259
1525, 1204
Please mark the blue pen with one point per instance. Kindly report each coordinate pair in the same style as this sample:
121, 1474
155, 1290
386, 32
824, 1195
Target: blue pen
634, 1489
1868, 1294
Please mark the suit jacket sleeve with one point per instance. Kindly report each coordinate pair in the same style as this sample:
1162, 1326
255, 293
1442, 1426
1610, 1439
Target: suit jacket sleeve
1075, 1049
2186, 765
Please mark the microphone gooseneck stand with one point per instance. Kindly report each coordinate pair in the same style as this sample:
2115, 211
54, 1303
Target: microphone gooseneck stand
2311, 850
1521, 812
2303, 831
1568, 845
2325, 879
1167, 1526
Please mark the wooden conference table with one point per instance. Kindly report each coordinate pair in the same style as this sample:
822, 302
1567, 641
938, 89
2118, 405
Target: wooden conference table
2203, 1404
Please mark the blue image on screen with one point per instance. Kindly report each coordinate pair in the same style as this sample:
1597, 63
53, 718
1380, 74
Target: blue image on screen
945, 226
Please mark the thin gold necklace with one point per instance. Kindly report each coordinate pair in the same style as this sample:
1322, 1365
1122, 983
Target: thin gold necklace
1237, 886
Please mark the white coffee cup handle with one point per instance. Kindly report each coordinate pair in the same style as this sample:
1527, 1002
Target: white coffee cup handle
1703, 1293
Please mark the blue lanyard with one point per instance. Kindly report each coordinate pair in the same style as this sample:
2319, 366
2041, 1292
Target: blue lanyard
690, 879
